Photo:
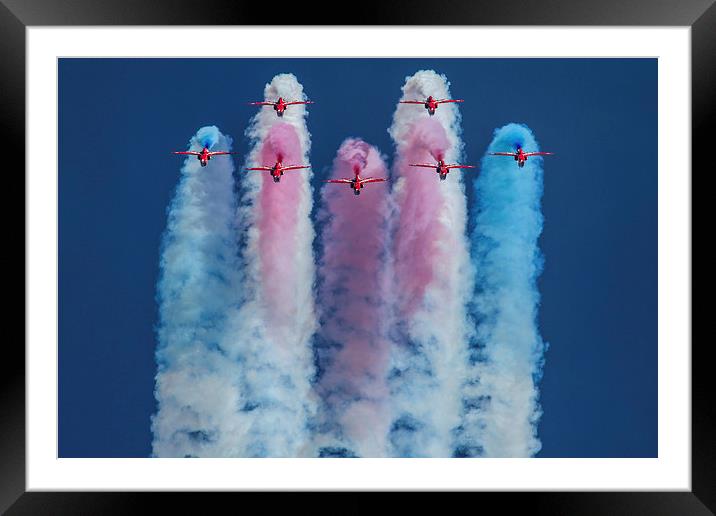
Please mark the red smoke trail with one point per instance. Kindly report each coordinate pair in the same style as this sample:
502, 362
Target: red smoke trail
352, 297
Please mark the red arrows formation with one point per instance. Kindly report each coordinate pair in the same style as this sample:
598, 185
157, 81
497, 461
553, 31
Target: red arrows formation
357, 182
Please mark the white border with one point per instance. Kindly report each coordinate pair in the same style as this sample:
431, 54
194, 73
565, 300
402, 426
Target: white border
670, 471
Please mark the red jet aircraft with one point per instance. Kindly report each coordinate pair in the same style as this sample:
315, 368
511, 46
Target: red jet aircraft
205, 155
278, 169
357, 183
280, 105
431, 104
440, 167
521, 156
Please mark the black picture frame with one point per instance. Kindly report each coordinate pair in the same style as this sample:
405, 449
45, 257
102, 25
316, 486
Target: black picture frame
17, 15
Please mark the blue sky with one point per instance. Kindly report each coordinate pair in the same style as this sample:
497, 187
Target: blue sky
120, 119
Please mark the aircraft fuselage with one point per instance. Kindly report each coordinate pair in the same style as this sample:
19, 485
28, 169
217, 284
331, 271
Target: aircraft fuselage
204, 157
277, 172
280, 106
431, 105
520, 158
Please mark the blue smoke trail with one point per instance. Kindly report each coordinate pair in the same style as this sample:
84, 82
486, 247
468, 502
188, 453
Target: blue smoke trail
501, 406
208, 136
197, 387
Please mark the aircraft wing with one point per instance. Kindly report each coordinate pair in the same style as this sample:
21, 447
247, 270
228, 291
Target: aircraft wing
299, 102
426, 165
503, 153
460, 166
445, 101
295, 167
191, 153
373, 180
412, 102
538, 153
261, 103
339, 181
220, 153
260, 168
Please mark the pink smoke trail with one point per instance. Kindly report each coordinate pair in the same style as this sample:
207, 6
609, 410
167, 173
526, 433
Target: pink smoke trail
277, 213
418, 242
355, 353
272, 326
431, 276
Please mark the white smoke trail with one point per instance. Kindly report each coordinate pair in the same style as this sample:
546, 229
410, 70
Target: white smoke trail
196, 383
283, 85
271, 331
502, 398
418, 87
433, 276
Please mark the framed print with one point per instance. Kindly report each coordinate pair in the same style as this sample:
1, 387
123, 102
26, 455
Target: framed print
388, 253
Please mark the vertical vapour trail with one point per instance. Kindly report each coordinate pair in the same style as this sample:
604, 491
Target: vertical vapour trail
502, 397
272, 329
354, 353
196, 384
431, 273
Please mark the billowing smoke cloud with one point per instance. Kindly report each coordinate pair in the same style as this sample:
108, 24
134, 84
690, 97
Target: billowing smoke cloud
354, 349
402, 370
502, 399
284, 85
208, 136
196, 383
271, 330
432, 276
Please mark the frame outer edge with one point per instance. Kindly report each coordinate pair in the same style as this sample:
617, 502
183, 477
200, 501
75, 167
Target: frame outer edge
12, 102
12, 366
370, 12
703, 120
